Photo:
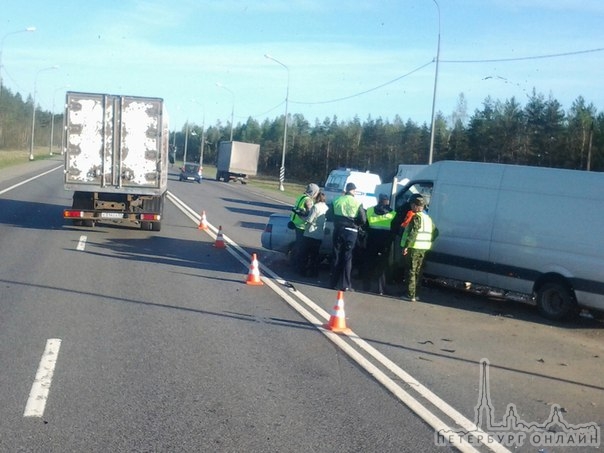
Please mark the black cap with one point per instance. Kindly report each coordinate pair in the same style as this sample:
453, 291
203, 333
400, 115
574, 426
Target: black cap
350, 186
419, 201
383, 197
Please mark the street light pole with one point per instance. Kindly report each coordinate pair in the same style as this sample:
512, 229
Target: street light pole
220, 85
282, 169
203, 123
33, 113
28, 29
430, 157
184, 156
52, 117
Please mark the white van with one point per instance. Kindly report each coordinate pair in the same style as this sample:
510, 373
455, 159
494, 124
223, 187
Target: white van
366, 185
529, 230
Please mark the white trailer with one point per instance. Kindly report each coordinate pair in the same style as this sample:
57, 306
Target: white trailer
518, 230
116, 159
236, 161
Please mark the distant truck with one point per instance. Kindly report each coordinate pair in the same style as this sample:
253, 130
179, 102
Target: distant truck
116, 159
236, 161
526, 233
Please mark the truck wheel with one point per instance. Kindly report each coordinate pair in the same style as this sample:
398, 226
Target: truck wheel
556, 301
155, 226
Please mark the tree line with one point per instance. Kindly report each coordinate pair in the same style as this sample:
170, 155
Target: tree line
539, 133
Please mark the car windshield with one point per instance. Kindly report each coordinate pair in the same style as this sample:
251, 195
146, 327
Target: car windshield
191, 168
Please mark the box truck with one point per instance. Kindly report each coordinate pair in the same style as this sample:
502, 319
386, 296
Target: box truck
236, 161
116, 159
518, 230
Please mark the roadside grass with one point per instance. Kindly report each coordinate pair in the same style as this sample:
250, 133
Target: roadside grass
14, 157
270, 183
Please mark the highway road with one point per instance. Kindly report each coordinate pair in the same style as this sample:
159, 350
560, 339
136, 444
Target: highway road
117, 339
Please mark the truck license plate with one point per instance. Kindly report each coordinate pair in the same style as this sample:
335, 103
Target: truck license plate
112, 215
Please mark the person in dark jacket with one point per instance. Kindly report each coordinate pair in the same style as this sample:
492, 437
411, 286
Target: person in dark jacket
378, 245
348, 215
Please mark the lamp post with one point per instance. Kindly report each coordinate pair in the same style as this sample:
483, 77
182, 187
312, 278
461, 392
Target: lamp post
430, 157
282, 169
203, 122
220, 85
184, 156
28, 29
33, 113
52, 118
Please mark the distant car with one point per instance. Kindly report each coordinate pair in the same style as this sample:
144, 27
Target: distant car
191, 172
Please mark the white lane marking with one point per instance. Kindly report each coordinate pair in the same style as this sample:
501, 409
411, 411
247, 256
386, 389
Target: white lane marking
36, 402
82, 243
459, 442
28, 180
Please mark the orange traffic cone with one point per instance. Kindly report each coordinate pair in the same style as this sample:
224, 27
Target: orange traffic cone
203, 223
253, 276
337, 321
219, 243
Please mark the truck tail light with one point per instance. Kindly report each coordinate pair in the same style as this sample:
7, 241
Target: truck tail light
72, 214
150, 217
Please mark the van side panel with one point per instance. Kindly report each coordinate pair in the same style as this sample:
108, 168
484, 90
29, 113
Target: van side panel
463, 245
509, 226
542, 227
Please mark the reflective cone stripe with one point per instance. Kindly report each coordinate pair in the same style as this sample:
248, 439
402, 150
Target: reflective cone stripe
203, 224
337, 321
253, 277
219, 243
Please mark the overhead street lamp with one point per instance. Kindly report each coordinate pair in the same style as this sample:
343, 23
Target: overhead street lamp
282, 169
33, 113
220, 85
52, 119
435, 83
28, 29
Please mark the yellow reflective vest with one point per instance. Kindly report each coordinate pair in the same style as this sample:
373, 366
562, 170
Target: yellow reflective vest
423, 239
379, 222
299, 221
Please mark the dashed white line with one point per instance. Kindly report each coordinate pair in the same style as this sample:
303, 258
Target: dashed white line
82, 243
36, 403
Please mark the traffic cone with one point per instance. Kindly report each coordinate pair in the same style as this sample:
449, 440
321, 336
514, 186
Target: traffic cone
253, 276
203, 223
337, 321
219, 243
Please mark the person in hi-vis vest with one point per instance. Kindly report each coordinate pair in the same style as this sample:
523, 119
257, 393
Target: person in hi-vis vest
417, 239
348, 215
379, 241
300, 211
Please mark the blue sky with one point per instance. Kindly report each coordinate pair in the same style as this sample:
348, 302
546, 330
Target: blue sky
369, 58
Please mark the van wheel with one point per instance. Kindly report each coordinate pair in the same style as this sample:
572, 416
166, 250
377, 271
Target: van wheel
556, 301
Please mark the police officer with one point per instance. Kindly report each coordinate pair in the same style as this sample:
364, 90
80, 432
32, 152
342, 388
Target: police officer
379, 241
417, 239
348, 215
